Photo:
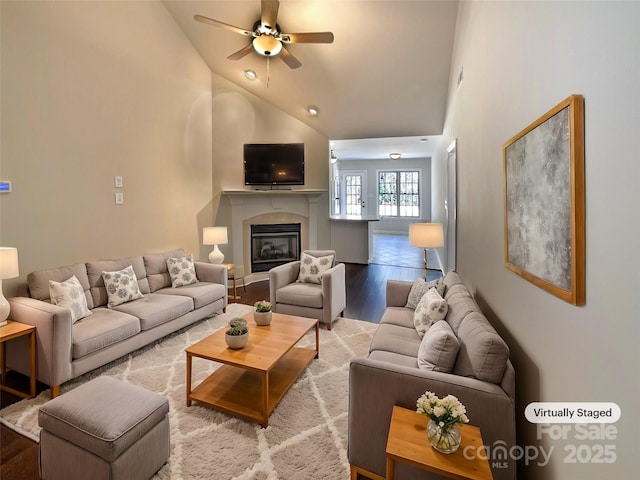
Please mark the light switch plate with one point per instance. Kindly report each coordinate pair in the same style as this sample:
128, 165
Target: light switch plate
119, 198
118, 181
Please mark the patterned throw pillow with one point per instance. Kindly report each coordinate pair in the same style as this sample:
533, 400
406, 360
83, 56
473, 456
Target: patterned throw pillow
70, 294
432, 307
182, 271
420, 287
121, 286
312, 268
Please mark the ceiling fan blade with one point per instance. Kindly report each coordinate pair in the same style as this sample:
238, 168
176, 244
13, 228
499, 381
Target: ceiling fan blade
226, 26
314, 37
269, 13
289, 59
243, 52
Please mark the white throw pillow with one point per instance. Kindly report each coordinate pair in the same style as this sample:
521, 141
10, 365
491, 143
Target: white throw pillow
439, 348
431, 308
182, 271
70, 294
312, 268
122, 286
420, 287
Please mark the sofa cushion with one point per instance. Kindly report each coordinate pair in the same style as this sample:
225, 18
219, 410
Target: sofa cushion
69, 294
431, 308
155, 265
460, 305
396, 339
96, 282
400, 316
439, 348
121, 286
394, 358
483, 354
420, 287
312, 268
155, 309
182, 271
38, 281
301, 294
103, 328
202, 293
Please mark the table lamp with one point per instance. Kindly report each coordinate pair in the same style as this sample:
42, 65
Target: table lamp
426, 235
8, 269
215, 236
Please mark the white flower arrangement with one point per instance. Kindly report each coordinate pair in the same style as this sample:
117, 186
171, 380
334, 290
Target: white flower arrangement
444, 411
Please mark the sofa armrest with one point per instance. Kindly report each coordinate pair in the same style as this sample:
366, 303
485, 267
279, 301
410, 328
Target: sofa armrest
397, 293
53, 339
376, 386
334, 292
280, 276
211, 273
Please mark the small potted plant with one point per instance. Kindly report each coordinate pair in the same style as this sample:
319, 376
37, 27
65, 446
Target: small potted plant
237, 334
262, 313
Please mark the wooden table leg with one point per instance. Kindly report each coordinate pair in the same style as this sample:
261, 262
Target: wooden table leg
391, 468
265, 399
188, 379
33, 362
3, 363
318, 339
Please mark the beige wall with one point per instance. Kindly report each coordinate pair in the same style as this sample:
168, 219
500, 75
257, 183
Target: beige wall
240, 117
91, 90
520, 59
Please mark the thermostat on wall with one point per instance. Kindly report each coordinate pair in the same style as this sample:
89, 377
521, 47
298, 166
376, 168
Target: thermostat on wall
5, 187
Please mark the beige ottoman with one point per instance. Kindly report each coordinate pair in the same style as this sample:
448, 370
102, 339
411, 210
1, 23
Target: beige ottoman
104, 429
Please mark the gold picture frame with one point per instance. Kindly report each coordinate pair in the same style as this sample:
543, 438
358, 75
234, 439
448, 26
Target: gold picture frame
544, 215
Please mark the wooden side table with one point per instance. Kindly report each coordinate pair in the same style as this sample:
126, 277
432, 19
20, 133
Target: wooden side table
407, 443
14, 330
231, 275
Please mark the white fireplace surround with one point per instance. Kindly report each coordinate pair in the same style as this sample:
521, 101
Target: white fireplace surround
256, 207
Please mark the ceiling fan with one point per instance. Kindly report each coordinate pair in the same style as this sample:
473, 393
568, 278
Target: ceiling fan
268, 40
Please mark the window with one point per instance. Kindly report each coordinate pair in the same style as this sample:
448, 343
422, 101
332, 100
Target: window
399, 193
353, 185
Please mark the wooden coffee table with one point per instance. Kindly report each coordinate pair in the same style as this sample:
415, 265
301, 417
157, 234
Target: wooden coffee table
254, 379
407, 443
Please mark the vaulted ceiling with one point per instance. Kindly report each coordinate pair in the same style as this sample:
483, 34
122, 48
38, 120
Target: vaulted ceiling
385, 75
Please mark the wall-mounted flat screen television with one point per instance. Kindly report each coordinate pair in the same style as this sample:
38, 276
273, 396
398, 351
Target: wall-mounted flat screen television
274, 164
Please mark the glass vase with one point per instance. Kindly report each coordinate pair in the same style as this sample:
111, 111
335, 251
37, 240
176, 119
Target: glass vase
444, 439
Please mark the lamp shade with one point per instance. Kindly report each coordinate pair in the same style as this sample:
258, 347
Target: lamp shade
426, 235
214, 236
8, 262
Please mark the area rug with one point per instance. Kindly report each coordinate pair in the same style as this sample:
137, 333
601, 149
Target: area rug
307, 433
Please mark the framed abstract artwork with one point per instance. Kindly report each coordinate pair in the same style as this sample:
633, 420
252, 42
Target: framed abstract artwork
544, 218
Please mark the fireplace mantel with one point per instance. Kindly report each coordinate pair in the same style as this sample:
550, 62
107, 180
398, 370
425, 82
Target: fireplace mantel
270, 206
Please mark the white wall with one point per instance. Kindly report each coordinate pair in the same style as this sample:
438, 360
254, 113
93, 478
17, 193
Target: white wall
91, 90
520, 59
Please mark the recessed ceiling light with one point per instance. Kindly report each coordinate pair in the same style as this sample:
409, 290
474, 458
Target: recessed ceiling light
250, 74
394, 156
313, 110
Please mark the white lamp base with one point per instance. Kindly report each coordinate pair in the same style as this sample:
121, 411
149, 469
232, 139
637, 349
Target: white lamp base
4, 308
216, 256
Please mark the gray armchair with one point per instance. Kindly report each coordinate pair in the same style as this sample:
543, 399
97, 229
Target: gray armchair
325, 301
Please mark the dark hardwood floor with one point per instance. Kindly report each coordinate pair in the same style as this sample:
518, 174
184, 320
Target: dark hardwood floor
365, 301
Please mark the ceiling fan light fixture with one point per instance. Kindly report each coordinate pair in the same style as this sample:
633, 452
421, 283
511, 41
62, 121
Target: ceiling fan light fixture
395, 156
267, 46
250, 74
313, 110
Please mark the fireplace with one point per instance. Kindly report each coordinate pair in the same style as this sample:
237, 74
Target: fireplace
273, 245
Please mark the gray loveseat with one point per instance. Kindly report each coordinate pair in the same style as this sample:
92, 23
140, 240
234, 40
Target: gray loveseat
482, 378
67, 349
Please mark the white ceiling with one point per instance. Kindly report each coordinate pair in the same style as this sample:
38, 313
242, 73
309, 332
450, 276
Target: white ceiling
385, 76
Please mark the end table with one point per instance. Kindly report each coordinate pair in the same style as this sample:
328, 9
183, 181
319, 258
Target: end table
14, 330
408, 443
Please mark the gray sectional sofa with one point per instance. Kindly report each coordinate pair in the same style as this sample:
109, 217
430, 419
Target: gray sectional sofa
482, 378
67, 349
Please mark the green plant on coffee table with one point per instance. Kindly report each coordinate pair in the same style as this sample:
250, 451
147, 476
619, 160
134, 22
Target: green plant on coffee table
263, 306
237, 326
